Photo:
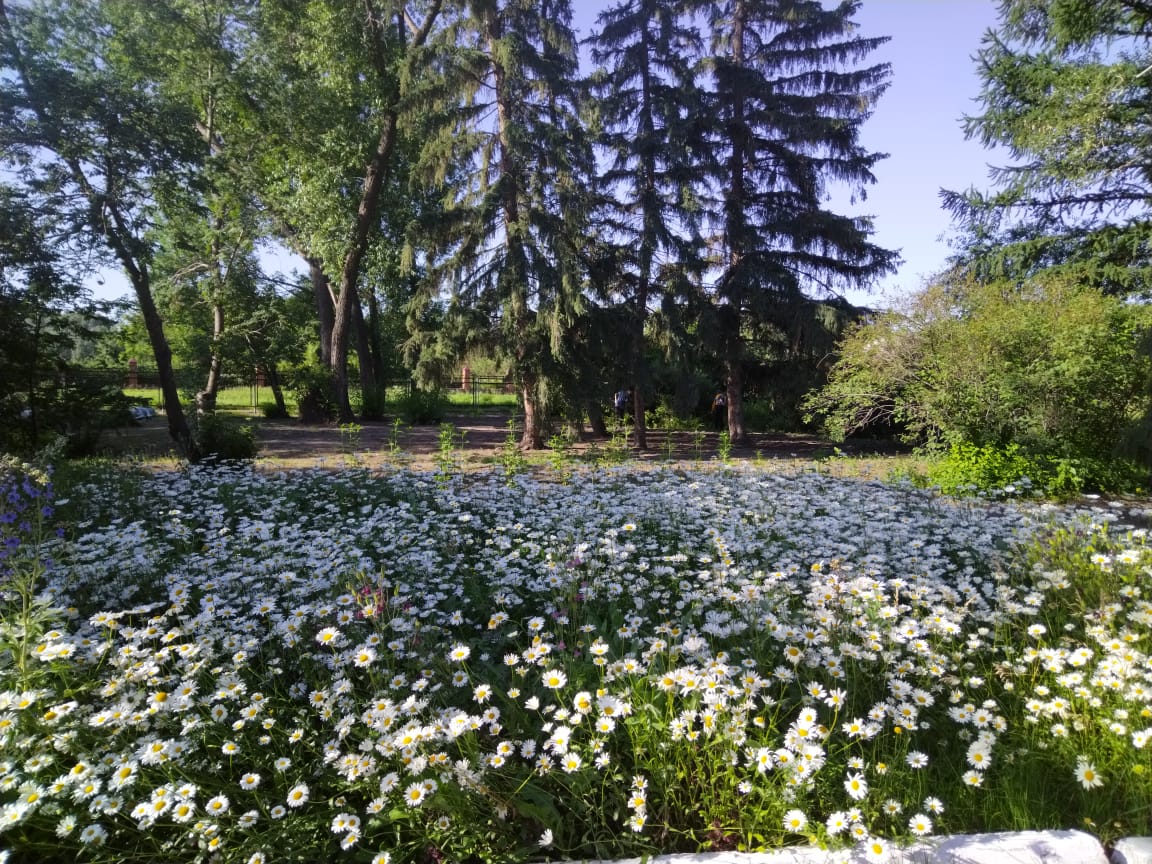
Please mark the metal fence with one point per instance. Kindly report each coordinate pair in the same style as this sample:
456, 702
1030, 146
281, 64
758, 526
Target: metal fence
477, 389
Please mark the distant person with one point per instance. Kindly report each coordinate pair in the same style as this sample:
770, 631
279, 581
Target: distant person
620, 403
720, 411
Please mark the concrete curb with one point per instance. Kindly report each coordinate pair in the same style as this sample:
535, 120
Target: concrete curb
1024, 847
1133, 850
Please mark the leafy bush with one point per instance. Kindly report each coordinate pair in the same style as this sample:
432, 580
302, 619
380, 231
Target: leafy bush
1059, 370
423, 407
968, 468
315, 394
223, 437
760, 417
663, 417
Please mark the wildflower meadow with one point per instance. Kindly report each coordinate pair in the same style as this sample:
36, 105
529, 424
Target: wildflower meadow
227, 664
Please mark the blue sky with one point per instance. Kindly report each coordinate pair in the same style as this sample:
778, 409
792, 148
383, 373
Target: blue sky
917, 122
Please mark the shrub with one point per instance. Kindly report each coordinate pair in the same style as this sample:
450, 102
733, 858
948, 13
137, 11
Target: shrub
1055, 368
222, 437
968, 468
315, 394
423, 407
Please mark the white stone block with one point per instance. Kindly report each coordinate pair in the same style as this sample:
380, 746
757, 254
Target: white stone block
1024, 847
1133, 850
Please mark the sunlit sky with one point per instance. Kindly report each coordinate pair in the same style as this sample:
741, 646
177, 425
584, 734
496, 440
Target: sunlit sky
918, 123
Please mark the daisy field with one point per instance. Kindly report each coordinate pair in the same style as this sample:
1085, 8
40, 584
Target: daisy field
226, 664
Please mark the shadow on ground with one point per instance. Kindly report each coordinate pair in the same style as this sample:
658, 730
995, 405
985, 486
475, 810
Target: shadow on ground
479, 439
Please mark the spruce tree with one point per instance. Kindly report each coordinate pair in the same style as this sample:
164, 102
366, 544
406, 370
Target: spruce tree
1066, 88
788, 100
507, 244
648, 105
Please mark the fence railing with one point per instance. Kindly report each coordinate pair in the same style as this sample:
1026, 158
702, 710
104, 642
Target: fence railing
467, 390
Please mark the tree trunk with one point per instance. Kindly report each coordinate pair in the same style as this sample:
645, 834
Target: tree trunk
369, 209
533, 437
596, 419
638, 421
206, 398
375, 342
350, 272
277, 390
106, 220
647, 249
370, 407
736, 231
177, 424
515, 273
734, 390
325, 312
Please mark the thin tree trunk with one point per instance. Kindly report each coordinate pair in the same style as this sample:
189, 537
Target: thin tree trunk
647, 248
33, 406
533, 437
277, 389
736, 231
325, 311
375, 342
515, 273
734, 389
596, 419
106, 220
370, 409
206, 398
369, 208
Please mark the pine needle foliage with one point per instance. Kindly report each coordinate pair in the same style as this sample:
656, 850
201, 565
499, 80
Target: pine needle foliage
788, 99
506, 243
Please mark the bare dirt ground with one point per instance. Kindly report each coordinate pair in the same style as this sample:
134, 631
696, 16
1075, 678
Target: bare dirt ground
478, 440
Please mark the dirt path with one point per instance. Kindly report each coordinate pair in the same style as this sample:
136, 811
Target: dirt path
482, 439
478, 439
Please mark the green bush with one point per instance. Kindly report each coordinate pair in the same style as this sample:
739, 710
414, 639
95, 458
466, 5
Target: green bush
222, 437
315, 394
759, 416
967, 468
1059, 370
423, 407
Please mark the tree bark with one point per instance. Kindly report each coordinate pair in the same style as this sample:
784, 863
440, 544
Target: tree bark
375, 343
533, 437
368, 388
734, 390
735, 231
515, 273
647, 252
206, 398
325, 311
277, 389
596, 419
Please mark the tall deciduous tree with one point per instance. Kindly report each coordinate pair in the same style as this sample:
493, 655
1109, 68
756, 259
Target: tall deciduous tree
95, 145
327, 118
648, 104
1066, 90
508, 241
789, 100
195, 51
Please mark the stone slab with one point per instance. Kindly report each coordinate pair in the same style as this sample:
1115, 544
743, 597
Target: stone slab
1023, 847
1133, 850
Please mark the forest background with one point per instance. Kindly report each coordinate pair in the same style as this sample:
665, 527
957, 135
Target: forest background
678, 216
